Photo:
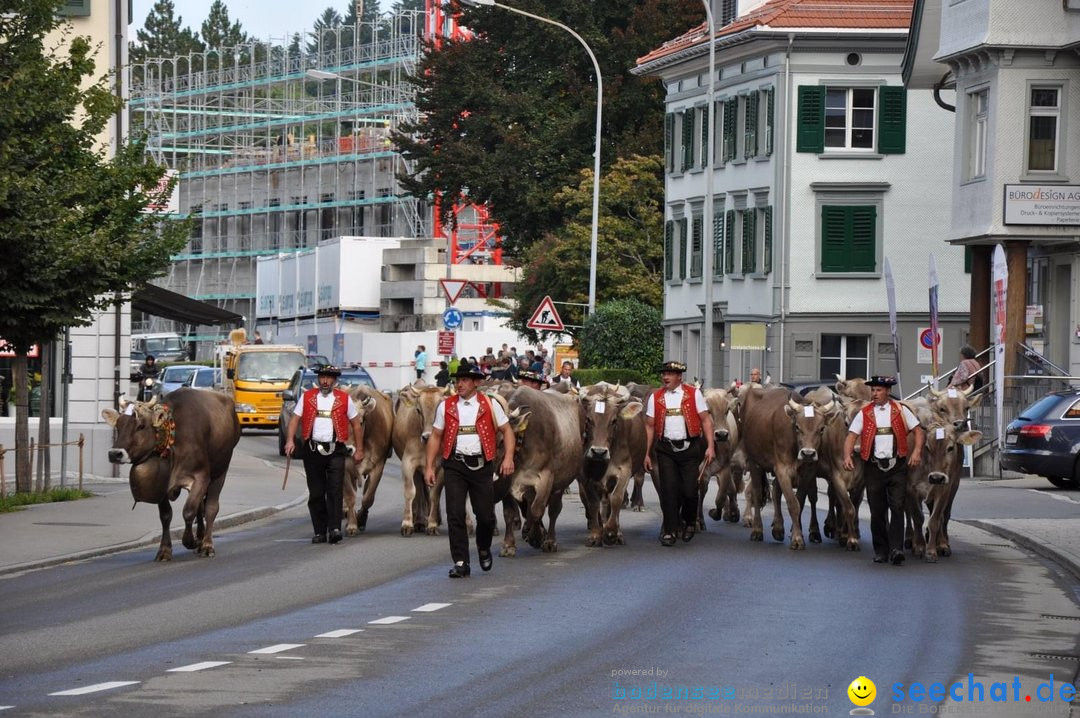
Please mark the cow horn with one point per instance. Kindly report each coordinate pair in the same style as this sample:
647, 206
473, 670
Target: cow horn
971, 388
622, 392
828, 407
796, 406
153, 400
124, 401
934, 392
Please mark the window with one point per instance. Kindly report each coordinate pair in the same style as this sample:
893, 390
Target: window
849, 238
76, 8
704, 112
750, 120
731, 113
682, 227
1044, 112
749, 237
845, 355
978, 112
669, 249
669, 141
697, 227
687, 121
729, 242
766, 240
859, 119
718, 241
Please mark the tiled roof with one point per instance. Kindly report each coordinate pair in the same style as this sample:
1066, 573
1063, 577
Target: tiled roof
801, 15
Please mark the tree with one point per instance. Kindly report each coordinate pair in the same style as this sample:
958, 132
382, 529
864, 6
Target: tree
163, 35
629, 246
74, 229
219, 32
508, 118
623, 334
329, 20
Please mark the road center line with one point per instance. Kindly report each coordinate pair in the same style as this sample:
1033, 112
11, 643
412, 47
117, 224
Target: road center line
389, 619
429, 607
339, 633
198, 666
97, 687
277, 648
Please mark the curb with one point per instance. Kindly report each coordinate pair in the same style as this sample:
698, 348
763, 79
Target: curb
154, 537
1046, 551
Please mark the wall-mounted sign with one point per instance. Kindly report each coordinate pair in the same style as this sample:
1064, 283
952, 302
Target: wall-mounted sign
1055, 205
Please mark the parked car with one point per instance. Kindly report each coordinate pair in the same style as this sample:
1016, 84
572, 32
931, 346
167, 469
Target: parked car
205, 377
802, 388
1045, 440
175, 376
304, 379
314, 361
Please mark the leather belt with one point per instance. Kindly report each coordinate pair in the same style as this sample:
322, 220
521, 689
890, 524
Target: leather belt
677, 444
326, 448
886, 465
467, 429
473, 462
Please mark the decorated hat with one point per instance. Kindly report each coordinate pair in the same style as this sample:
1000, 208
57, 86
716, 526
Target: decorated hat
672, 366
328, 370
532, 376
466, 370
885, 381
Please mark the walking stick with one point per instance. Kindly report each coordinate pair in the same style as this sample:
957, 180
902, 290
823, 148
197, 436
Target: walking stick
288, 461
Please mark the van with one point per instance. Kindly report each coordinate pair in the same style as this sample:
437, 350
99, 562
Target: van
163, 346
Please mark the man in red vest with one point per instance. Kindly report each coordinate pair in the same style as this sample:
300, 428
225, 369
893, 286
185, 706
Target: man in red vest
325, 415
678, 420
882, 428
463, 433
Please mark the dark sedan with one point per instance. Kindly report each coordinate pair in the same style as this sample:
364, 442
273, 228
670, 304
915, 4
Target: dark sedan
1045, 440
304, 379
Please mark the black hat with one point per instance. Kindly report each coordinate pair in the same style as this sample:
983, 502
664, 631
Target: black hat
328, 370
532, 376
466, 370
885, 381
672, 366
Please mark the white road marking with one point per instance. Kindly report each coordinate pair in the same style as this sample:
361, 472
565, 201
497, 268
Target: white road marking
429, 607
389, 619
97, 687
292, 540
339, 633
198, 666
1059, 497
4, 708
278, 648
289, 658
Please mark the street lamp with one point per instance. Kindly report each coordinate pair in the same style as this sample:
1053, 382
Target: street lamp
596, 149
708, 226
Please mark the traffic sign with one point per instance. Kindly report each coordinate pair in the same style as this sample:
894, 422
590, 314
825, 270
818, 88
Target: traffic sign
452, 288
452, 318
546, 318
445, 343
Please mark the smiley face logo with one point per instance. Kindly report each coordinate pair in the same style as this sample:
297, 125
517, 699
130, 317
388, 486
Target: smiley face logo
862, 691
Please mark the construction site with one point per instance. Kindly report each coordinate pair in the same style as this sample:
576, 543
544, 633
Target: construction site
280, 146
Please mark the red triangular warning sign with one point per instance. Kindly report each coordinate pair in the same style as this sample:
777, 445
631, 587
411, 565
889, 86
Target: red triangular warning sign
545, 318
452, 288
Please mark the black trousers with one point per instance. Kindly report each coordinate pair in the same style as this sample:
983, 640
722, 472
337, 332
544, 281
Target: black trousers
325, 478
886, 493
459, 482
677, 483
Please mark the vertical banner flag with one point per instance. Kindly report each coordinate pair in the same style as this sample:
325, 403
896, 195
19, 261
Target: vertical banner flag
935, 337
890, 292
999, 284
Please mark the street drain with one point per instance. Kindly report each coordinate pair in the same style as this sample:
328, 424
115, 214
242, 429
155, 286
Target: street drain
1060, 618
1055, 657
999, 545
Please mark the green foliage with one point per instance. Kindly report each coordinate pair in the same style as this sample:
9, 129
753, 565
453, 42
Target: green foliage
163, 35
623, 333
218, 31
612, 376
508, 118
629, 245
16, 502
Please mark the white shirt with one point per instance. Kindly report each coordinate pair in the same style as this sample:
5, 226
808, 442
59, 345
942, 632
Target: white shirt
469, 444
675, 426
883, 443
323, 429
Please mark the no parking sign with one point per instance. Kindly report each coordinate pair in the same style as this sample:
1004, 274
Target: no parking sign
925, 344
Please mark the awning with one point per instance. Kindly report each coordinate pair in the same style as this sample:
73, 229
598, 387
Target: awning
152, 299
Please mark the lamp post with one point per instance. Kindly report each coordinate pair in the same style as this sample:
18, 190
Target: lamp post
708, 226
596, 149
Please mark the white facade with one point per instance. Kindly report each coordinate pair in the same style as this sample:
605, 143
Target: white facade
817, 319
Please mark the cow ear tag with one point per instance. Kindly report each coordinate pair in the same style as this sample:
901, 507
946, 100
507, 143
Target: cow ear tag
952, 392
599, 407
130, 410
808, 412
939, 434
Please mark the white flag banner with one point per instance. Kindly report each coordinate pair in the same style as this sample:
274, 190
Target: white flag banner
999, 284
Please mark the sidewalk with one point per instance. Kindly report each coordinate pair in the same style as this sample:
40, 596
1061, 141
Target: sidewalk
49, 534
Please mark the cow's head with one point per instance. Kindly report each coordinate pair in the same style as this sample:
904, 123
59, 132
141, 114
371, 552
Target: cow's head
852, 388
721, 406
952, 405
809, 422
423, 400
136, 429
603, 406
942, 450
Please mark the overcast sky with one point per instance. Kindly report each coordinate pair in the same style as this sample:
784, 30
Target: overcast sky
262, 19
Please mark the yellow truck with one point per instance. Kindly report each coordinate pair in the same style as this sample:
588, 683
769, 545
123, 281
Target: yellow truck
255, 375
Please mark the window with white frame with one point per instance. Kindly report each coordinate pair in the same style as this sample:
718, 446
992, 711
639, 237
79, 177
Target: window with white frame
979, 114
845, 355
849, 117
1044, 122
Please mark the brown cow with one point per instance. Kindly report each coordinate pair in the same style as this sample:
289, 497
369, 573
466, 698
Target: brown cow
185, 443
614, 451
413, 417
852, 388
935, 482
729, 477
377, 415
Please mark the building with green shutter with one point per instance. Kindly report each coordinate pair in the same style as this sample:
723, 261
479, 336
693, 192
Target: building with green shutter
824, 165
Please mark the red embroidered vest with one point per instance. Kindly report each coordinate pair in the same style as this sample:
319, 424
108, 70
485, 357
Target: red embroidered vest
485, 426
689, 412
869, 430
339, 414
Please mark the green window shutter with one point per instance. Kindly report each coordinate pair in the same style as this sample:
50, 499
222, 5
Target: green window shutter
892, 120
731, 113
729, 242
687, 140
770, 110
79, 8
682, 248
697, 228
834, 238
849, 238
864, 238
669, 248
705, 136
810, 135
751, 125
749, 243
718, 243
669, 141
967, 259
766, 260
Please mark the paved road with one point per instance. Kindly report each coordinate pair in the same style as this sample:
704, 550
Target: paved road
543, 634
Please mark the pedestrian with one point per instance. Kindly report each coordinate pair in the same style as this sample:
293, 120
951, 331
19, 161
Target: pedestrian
882, 429
503, 372
453, 365
967, 373
325, 415
565, 375
679, 423
421, 361
463, 432
755, 377
442, 377
258, 337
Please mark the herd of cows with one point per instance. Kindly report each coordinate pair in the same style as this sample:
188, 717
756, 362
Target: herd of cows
595, 436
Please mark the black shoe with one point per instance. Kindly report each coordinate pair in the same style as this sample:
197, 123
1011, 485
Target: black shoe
485, 560
335, 535
896, 558
667, 539
880, 558
318, 538
459, 570
687, 534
